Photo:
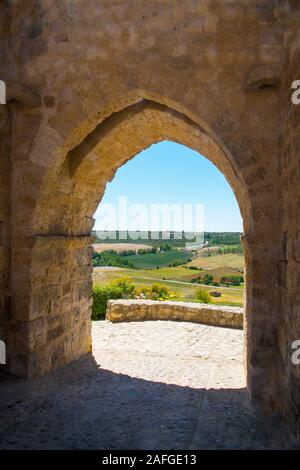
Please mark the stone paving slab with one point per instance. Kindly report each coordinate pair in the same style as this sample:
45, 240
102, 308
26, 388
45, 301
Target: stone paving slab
148, 385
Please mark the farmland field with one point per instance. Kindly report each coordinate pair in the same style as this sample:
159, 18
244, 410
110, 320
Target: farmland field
152, 260
119, 247
171, 268
173, 278
230, 260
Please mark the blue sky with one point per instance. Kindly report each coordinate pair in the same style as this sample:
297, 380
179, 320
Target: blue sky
172, 173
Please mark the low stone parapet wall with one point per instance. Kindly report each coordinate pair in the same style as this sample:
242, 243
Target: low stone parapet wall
208, 314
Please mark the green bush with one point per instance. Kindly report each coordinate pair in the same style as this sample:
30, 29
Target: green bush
203, 296
125, 284
160, 292
119, 288
155, 292
123, 288
101, 295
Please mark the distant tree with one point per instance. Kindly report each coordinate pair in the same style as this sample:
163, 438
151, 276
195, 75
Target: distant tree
165, 246
203, 296
232, 280
208, 278
110, 258
197, 279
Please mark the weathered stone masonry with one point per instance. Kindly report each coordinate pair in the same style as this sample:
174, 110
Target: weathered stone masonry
5, 173
140, 310
90, 84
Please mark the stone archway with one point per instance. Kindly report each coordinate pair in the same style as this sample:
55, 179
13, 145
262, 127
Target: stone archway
223, 75
56, 328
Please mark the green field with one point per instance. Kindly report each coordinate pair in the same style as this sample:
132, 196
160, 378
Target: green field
174, 278
152, 260
183, 278
233, 261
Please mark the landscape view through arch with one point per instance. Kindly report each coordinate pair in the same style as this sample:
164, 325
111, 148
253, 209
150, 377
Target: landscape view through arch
136, 256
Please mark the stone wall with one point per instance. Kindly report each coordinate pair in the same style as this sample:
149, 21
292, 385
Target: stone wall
208, 314
289, 169
93, 83
54, 327
5, 180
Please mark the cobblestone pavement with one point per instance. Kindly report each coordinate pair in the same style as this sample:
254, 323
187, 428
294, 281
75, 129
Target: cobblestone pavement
148, 385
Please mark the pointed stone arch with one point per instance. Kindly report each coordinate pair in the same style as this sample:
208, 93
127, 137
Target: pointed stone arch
55, 312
